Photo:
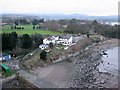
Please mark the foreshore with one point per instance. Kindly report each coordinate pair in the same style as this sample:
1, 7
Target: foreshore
81, 70
87, 75
107, 44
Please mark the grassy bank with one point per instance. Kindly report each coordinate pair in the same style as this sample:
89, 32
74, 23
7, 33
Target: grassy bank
56, 53
28, 29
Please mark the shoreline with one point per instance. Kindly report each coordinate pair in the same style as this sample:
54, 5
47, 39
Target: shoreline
61, 74
78, 73
89, 76
108, 44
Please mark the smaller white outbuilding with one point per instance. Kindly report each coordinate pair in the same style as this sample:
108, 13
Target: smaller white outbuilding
43, 46
65, 41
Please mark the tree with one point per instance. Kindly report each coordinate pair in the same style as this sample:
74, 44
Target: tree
88, 35
16, 22
24, 21
5, 41
43, 55
33, 26
41, 20
13, 39
37, 40
26, 41
9, 41
75, 26
52, 25
94, 22
35, 22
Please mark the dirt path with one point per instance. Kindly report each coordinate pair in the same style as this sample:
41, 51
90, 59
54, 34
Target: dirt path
55, 74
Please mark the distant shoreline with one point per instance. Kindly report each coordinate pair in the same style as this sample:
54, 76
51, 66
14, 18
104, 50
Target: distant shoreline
108, 44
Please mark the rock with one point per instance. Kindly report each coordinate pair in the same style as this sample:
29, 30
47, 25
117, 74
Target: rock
101, 61
17, 83
104, 53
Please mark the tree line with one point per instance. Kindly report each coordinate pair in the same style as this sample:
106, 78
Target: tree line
72, 26
75, 26
106, 30
11, 41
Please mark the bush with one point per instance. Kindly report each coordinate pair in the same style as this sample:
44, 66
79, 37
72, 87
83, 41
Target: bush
8, 74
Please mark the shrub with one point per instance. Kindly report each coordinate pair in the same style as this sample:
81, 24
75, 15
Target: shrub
43, 55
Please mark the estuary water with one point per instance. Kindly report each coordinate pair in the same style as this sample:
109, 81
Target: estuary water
110, 62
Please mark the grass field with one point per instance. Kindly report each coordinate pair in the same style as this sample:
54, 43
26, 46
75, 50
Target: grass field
28, 29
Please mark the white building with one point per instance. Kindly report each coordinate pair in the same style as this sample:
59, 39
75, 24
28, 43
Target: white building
58, 40
52, 39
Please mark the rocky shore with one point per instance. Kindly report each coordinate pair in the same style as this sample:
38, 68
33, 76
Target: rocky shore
15, 83
86, 73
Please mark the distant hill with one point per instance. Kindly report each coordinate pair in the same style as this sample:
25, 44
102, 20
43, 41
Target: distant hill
112, 18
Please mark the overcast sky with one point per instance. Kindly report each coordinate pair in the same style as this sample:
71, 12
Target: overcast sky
89, 7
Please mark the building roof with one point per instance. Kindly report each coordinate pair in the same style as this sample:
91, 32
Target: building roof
66, 37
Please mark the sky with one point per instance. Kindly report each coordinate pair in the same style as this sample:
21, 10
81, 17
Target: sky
88, 7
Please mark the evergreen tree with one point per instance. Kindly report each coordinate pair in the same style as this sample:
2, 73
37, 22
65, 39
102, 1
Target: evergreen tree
26, 41
9, 41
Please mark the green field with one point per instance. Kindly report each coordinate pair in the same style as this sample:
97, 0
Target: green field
28, 29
